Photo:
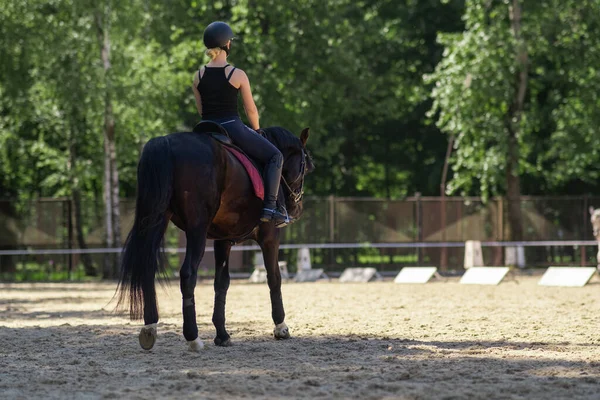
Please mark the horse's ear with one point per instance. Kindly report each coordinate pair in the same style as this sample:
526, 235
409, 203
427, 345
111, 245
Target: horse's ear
591, 208
304, 136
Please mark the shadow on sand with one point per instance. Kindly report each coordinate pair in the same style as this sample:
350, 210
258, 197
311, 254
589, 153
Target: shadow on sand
106, 361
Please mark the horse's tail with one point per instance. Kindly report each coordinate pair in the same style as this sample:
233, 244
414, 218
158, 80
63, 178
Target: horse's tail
142, 257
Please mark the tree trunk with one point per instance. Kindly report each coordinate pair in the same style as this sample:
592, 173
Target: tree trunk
114, 175
116, 214
111, 176
108, 258
513, 183
88, 265
8, 263
513, 191
386, 170
444, 250
76, 196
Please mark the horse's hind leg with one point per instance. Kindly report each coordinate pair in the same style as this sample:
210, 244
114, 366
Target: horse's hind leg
268, 239
148, 333
196, 243
222, 249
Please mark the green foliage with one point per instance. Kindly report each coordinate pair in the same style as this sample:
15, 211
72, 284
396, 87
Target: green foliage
351, 70
568, 93
475, 85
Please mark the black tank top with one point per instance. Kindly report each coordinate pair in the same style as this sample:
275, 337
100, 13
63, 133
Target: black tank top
219, 97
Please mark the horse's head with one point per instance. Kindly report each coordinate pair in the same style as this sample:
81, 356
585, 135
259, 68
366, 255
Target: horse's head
297, 162
595, 219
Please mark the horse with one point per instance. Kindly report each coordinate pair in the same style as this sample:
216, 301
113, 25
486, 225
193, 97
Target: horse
191, 179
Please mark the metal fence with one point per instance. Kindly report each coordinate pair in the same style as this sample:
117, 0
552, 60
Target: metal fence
50, 224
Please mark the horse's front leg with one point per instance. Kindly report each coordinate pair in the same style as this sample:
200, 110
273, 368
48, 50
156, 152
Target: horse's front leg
222, 249
268, 239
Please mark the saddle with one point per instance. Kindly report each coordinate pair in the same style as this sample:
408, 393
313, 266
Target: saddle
219, 133
214, 129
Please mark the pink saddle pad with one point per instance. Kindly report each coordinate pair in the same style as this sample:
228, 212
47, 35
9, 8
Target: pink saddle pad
257, 182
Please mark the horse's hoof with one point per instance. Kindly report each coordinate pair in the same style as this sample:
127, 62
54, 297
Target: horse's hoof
196, 345
223, 343
148, 336
281, 331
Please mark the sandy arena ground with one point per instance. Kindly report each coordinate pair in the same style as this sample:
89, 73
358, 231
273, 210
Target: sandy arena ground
378, 340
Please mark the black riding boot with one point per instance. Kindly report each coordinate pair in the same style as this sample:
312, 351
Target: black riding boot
272, 179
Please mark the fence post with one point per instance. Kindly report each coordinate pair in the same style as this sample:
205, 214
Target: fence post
331, 228
501, 228
584, 227
501, 218
419, 224
70, 233
444, 250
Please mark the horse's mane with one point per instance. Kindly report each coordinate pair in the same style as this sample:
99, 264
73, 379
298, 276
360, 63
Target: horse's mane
282, 138
285, 140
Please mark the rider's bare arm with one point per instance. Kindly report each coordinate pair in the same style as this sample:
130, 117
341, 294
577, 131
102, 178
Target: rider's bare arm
197, 93
241, 81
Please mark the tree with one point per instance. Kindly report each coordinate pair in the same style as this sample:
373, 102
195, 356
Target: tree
490, 92
53, 102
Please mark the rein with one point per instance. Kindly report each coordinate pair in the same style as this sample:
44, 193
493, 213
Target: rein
296, 195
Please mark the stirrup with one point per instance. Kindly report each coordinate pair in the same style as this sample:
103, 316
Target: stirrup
280, 219
287, 221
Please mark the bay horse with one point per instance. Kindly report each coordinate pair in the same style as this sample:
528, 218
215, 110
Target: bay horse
189, 178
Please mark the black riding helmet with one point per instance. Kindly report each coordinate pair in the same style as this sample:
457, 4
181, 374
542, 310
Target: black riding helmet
217, 34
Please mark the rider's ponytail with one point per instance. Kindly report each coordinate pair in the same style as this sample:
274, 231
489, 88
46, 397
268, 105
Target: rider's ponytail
213, 53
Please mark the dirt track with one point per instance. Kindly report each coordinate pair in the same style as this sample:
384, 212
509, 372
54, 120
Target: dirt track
378, 340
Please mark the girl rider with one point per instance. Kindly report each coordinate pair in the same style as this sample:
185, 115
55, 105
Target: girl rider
216, 88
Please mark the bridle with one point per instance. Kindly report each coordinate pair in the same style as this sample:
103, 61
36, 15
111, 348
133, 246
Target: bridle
296, 195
